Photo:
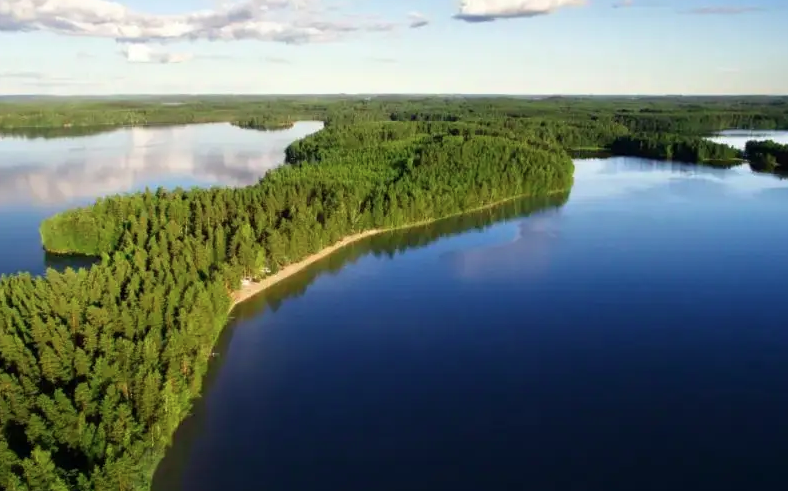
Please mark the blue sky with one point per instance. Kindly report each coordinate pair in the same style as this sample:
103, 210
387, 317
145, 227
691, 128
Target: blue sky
372, 46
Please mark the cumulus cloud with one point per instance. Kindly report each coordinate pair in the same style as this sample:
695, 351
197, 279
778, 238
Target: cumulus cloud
286, 21
724, 10
140, 53
417, 19
490, 10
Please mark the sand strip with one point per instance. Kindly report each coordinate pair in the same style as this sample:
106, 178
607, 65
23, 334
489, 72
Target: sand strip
248, 291
252, 289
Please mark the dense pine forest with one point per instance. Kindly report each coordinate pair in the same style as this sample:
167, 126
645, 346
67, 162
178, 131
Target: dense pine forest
99, 366
674, 147
768, 156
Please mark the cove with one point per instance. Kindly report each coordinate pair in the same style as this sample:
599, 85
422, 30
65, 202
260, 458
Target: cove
627, 338
42, 176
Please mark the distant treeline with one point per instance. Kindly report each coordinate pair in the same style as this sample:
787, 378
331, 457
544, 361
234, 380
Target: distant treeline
673, 147
686, 116
661, 128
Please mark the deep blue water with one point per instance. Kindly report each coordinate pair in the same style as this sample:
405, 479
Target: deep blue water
633, 338
39, 177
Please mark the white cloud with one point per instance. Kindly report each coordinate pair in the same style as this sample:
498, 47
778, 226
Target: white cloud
140, 53
286, 21
623, 4
416, 20
490, 10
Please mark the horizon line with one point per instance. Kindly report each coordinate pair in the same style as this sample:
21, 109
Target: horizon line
379, 94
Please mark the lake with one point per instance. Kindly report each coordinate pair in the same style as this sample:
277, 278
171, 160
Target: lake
629, 335
39, 177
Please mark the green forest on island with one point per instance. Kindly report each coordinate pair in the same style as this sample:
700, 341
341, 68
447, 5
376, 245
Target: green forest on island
767, 156
99, 366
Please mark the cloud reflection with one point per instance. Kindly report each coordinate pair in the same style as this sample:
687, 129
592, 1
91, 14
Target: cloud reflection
65, 170
527, 254
597, 179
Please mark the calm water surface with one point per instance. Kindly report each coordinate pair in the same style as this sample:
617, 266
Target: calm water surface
39, 177
630, 337
738, 138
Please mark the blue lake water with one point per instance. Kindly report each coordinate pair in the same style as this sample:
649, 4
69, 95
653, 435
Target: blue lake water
631, 337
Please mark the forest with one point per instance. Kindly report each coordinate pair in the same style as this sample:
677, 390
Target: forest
99, 365
767, 156
674, 147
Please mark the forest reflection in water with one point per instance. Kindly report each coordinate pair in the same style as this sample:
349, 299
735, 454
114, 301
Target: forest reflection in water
43, 172
388, 244
396, 242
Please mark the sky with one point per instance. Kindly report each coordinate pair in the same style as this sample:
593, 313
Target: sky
98, 47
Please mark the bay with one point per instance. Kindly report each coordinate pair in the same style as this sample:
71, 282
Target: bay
41, 176
628, 336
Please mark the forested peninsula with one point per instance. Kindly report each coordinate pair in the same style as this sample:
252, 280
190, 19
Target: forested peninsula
99, 366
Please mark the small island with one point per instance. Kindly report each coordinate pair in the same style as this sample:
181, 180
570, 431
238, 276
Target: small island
768, 156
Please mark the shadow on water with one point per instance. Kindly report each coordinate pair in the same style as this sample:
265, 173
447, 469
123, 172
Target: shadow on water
48, 133
169, 472
392, 243
590, 154
60, 262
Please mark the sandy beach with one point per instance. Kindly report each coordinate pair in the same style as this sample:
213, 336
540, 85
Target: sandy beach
252, 289
248, 291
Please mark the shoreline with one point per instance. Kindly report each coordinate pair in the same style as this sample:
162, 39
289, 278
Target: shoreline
253, 289
248, 291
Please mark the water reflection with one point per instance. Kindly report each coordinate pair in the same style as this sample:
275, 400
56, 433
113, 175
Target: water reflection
398, 242
604, 178
60, 262
388, 245
527, 340
129, 159
55, 132
565, 339
739, 138
42, 176
527, 255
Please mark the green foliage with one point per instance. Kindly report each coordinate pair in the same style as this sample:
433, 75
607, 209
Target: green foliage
263, 123
678, 115
674, 147
768, 155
